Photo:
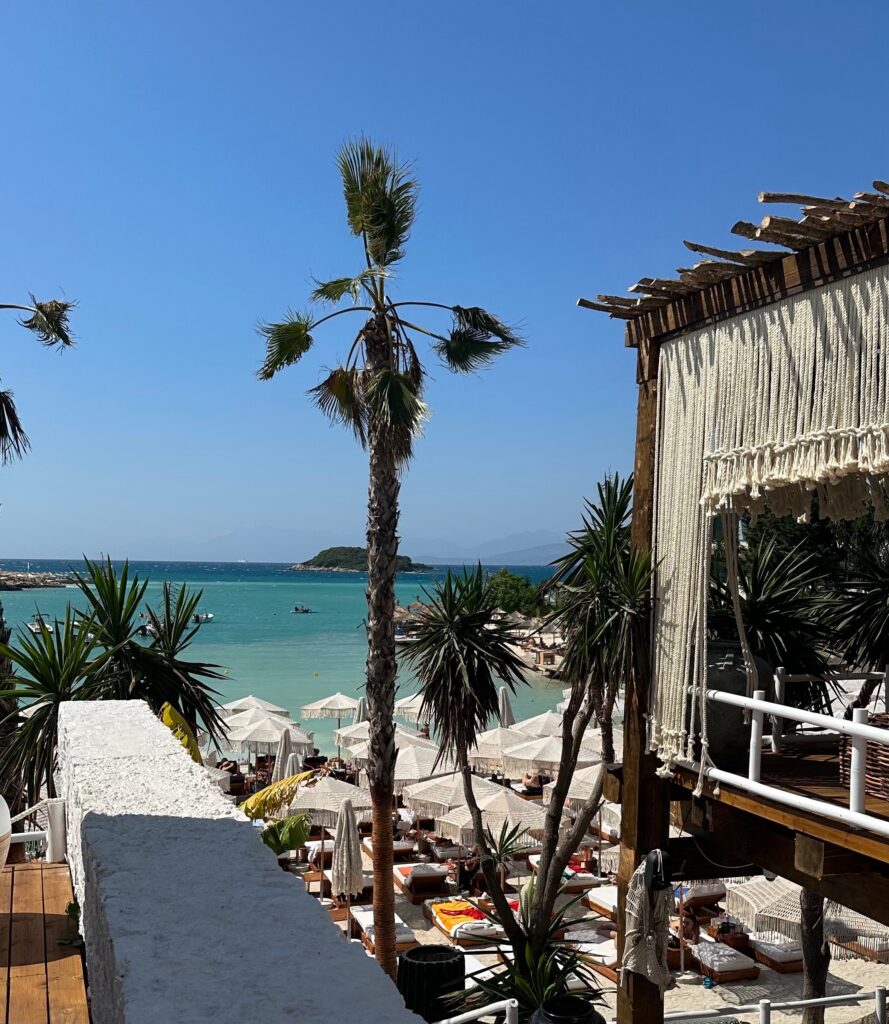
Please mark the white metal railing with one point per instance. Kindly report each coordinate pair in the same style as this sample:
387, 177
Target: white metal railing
857, 729
765, 1007
54, 836
509, 1006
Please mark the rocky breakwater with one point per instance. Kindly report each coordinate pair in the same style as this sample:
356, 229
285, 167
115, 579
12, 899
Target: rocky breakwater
33, 580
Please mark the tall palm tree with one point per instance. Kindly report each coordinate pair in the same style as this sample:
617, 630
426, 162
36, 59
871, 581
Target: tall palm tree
461, 654
377, 393
48, 321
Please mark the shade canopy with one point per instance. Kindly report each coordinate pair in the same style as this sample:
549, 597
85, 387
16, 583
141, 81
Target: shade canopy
251, 703
488, 750
545, 754
583, 784
504, 807
547, 724
414, 764
253, 716
350, 735
265, 735
504, 708
410, 708
346, 874
442, 794
322, 799
337, 705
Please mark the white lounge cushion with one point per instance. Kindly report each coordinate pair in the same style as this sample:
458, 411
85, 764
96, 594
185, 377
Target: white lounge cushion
781, 952
706, 890
365, 921
604, 896
720, 957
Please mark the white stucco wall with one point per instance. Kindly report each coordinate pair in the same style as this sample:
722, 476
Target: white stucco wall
186, 915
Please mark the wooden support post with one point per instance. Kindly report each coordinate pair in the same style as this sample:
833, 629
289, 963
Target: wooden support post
645, 804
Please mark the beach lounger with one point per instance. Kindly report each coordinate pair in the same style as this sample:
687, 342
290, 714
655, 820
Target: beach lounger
574, 880
402, 849
785, 957
365, 894
602, 900
723, 964
462, 922
420, 882
474, 969
701, 894
363, 923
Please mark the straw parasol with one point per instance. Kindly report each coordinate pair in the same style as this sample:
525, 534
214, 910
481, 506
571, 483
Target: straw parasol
251, 703
346, 872
547, 724
350, 735
321, 800
442, 794
253, 716
504, 712
503, 807
489, 747
282, 756
414, 764
545, 754
337, 706
410, 708
583, 782
263, 736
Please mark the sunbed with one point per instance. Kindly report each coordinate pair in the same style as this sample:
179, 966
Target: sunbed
402, 849
701, 894
602, 900
573, 878
785, 957
463, 923
366, 892
420, 882
363, 924
720, 962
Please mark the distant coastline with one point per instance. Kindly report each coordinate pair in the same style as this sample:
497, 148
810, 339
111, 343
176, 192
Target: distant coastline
354, 560
34, 580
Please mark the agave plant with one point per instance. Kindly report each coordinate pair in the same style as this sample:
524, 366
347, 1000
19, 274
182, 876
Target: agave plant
377, 393
60, 663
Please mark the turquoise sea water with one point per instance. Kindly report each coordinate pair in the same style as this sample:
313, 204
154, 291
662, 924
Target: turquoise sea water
265, 649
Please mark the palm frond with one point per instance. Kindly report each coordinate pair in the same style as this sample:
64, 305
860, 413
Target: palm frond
14, 441
267, 802
338, 288
286, 342
49, 322
476, 339
392, 397
339, 396
381, 198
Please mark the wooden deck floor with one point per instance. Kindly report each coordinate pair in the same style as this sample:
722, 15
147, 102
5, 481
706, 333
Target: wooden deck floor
42, 981
816, 776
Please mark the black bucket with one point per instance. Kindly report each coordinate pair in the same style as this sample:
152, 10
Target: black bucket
567, 1010
427, 975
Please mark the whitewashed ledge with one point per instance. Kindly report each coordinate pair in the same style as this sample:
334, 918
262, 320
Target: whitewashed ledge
185, 914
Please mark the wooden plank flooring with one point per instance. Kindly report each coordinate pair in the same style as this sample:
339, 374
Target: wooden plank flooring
43, 980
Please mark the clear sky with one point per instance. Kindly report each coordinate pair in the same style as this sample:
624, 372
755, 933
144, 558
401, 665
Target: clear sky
170, 166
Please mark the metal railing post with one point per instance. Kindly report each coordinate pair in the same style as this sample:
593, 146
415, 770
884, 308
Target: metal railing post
756, 719
512, 1011
857, 763
880, 1004
765, 1011
777, 720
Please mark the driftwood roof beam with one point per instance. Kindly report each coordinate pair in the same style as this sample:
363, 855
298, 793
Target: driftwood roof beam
619, 311
647, 302
743, 257
747, 230
799, 199
871, 198
658, 286
851, 217
882, 186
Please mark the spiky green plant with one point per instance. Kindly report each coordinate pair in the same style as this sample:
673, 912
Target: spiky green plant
377, 393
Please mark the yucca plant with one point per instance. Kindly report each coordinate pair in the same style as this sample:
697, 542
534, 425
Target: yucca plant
377, 393
60, 663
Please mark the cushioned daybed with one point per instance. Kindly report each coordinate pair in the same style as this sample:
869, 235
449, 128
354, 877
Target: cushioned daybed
363, 924
402, 849
463, 923
420, 882
785, 957
720, 962
573, 878
603, 900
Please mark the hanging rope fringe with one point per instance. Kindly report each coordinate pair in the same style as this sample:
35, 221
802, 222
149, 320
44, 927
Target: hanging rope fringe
759, 412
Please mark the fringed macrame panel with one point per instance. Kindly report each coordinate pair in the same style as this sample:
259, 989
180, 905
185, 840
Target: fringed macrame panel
759, 412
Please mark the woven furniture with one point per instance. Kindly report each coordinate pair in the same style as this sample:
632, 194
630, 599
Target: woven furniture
876, 763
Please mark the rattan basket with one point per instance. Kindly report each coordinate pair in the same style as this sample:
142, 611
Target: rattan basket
876, 765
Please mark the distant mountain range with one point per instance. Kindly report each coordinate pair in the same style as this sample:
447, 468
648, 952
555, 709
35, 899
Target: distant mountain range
536, 547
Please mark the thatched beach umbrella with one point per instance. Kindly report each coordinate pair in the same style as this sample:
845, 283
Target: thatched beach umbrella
337, 706
414, 764
504, 708
442, 794
251, 703
583, 783
545, 754
321, 800
350, 735
410, 708
263, 736
346, 870
547, 724
488, 750
504, 807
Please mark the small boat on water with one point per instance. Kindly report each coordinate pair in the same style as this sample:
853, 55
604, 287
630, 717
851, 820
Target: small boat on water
146, 629
200, 617
301, 609
38, 625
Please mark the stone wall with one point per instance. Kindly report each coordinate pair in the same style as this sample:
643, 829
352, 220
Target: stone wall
186, 915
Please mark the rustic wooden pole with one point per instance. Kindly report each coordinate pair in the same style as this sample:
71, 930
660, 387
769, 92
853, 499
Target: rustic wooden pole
645, 802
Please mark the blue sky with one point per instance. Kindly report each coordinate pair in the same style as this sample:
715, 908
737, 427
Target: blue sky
171, 167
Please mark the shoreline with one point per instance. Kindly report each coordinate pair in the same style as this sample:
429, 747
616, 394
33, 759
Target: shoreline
11, 581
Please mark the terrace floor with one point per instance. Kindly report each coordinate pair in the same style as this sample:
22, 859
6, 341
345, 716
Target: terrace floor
41, 979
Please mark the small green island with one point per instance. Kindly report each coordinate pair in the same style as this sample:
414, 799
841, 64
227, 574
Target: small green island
346, 559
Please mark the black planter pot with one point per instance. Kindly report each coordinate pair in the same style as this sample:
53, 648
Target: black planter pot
567, 1010
426, 976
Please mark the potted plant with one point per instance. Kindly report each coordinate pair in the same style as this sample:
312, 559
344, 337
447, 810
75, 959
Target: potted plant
284, 836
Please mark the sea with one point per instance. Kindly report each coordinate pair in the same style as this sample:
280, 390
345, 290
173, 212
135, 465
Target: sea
260, 645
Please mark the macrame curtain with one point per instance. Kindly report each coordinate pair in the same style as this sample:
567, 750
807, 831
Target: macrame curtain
759, 412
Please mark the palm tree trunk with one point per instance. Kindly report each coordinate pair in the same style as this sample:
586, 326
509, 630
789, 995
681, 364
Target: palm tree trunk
382, 551
816, 953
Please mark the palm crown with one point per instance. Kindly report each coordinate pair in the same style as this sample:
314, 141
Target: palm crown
381, 200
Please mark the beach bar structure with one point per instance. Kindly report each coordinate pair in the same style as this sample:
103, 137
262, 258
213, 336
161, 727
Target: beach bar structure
763, 380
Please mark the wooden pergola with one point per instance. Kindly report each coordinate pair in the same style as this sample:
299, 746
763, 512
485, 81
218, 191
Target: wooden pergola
832, 239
